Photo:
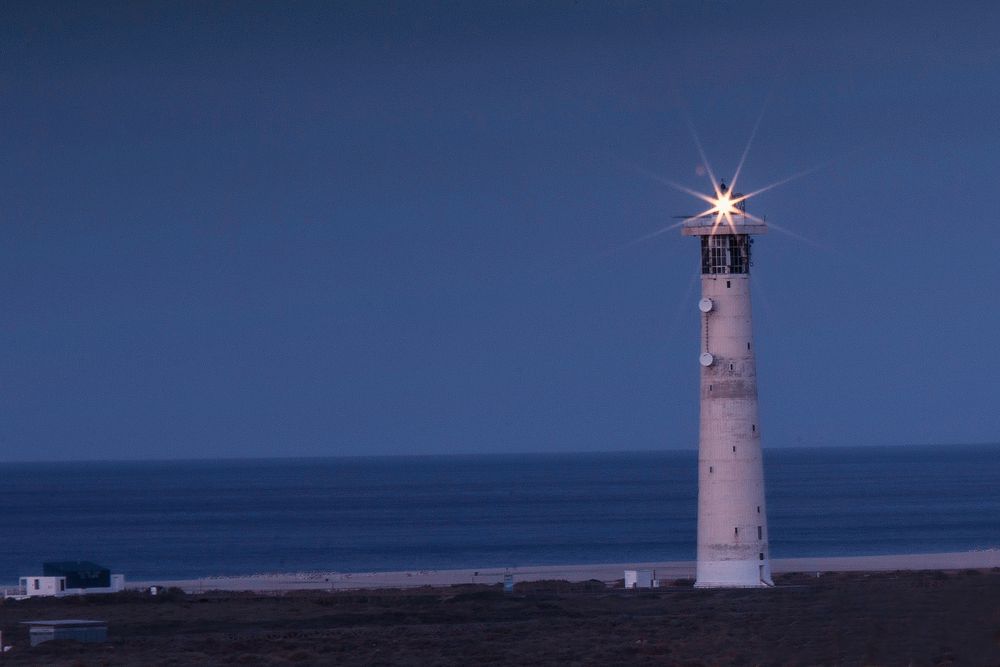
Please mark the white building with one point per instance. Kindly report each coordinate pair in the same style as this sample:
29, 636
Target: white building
68, 578
56, 587
42, 586
732, 517
640, 579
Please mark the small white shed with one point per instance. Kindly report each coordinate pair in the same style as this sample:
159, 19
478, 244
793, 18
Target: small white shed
34, 586
639, 578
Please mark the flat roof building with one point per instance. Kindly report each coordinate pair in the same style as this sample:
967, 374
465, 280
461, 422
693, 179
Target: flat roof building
72, 628
68, 578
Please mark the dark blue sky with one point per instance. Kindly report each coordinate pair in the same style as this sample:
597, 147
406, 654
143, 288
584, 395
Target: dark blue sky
334, 229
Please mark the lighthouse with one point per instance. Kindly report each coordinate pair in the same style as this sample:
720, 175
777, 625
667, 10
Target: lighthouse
732, 516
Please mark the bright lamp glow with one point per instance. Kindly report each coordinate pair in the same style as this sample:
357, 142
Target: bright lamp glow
725, 205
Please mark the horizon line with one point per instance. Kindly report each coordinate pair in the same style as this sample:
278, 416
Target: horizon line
312, 457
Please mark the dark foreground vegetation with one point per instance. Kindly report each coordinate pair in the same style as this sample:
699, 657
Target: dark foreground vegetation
902, 618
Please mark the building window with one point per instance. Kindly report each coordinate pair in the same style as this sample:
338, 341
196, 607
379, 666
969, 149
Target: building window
725, 254
758, 509
754, 427
711, 469
728, 285
762, 556
748, 345
36, 584
736, 531
734, 449
760, 532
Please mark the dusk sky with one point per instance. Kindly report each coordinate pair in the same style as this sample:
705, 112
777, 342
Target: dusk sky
311, 229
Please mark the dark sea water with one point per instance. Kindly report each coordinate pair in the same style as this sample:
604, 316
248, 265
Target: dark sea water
194, 518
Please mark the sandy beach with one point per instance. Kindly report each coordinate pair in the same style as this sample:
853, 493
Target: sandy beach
667, 570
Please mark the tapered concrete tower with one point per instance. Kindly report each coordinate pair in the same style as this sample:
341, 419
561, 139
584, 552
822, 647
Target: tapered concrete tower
732, 517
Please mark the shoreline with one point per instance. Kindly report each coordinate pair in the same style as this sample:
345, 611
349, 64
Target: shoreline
607, 572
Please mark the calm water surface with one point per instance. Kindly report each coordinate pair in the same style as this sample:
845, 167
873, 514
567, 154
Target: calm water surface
195, 518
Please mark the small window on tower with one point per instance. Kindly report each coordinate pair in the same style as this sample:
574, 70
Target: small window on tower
748, 345
734, 449
711, 469
730, 367
736, 531
754, 428
758, 509
728, 285
762, 556
760, 532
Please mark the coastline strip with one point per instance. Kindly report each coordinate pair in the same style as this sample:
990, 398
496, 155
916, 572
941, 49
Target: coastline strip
670, 570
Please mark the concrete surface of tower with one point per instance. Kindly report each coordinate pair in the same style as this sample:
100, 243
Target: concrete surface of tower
732, 516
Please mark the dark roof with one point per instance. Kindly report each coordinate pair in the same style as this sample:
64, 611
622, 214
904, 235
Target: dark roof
60, 566
66, 623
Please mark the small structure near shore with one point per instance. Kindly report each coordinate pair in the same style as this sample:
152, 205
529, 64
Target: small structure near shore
640, 579
30, 587
60, 578
77, 629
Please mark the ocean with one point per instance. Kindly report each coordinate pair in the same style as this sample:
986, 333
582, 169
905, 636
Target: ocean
186, 519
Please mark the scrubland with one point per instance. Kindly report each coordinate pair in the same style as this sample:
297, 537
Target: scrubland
895, 618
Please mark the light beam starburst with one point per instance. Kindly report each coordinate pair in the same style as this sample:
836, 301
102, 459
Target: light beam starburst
725, 204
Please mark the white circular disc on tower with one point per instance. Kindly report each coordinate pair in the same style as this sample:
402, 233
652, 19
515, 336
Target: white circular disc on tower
705, 305
706, 359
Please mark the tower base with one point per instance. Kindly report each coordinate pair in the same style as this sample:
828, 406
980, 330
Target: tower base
733, 574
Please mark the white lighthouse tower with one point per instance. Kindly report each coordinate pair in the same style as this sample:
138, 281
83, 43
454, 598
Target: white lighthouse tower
732, 517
